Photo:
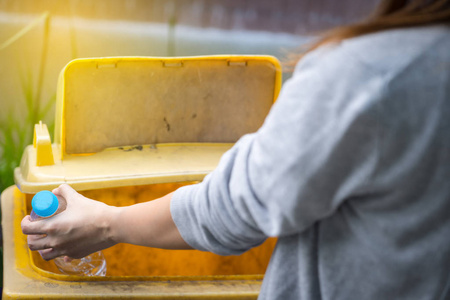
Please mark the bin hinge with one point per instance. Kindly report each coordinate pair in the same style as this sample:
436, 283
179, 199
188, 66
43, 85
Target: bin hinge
237, 63
106, 65
43, 145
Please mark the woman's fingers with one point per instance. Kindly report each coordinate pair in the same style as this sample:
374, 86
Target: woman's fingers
65, 191
43, 245
38, 242
49, 254
31, 227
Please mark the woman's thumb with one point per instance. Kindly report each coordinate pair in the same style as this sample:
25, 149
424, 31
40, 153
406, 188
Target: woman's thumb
65, 191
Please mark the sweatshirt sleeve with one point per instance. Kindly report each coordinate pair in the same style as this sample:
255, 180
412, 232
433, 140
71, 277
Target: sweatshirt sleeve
316, 149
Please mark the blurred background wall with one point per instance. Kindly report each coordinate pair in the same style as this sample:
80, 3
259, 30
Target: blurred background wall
292, 16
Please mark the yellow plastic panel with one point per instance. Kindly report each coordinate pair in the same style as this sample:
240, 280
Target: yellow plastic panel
43, 145
124, 166
114, 102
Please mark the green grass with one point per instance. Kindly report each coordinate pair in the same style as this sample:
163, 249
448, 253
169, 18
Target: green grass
17, 132
15, 135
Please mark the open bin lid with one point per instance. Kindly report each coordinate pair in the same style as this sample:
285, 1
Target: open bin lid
142, 120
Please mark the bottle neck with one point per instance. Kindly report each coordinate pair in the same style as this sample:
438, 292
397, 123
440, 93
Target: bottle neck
62, 204
34, 216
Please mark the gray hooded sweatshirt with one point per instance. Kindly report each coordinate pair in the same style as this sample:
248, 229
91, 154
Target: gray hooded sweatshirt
350, 170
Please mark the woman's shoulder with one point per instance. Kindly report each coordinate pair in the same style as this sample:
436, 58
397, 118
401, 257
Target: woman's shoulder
395, 49
385, 51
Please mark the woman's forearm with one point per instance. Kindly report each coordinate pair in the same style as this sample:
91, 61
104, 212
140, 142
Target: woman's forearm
146, 224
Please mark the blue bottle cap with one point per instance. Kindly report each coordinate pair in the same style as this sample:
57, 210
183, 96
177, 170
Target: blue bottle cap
44, 203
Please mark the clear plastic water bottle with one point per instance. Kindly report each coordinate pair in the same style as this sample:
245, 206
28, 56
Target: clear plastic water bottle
45, 204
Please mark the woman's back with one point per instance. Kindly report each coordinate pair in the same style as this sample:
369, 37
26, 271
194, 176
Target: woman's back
384, 230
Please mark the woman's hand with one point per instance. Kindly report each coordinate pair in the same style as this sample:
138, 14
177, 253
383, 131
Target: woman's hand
82, 228
87, 226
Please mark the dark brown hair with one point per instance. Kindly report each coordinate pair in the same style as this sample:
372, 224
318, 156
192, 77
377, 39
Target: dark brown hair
389, 14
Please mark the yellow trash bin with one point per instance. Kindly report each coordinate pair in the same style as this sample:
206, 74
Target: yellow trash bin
129, 130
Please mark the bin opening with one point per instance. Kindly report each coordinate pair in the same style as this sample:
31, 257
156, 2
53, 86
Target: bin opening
129, 261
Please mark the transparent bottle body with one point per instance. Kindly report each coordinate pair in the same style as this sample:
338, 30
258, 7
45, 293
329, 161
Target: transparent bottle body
91, 265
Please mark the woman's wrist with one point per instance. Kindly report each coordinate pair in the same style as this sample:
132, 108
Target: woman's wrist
146, 224
111, 225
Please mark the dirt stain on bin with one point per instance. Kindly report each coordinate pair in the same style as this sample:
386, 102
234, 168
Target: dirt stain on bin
167, 124
128, 149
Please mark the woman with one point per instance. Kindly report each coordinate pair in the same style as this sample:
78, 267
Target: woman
350, 171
